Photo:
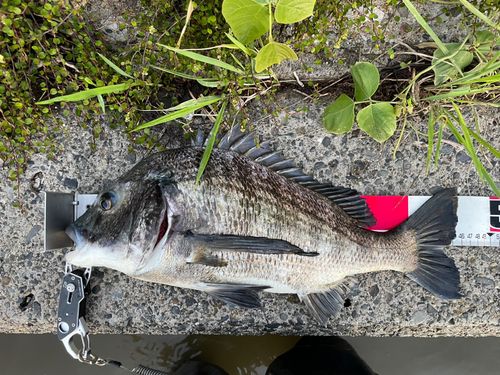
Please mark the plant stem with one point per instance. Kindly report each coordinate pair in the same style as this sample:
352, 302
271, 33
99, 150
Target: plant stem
270, 24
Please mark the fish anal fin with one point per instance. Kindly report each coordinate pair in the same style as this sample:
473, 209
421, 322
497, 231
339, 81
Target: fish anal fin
240, 295
328, 304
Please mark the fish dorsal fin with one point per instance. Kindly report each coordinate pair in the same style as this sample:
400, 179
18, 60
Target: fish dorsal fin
347, 199
244, 143
327, 304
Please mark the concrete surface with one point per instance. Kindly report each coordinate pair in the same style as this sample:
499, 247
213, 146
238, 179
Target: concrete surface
384, 304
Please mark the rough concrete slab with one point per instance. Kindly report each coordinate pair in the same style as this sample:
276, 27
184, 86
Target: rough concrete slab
384, 303
358, 47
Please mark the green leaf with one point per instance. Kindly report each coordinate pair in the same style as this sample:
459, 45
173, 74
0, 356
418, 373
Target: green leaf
240, 45
115, 67
366, 80
177, 114
247, 19
101, 102
443, 71
484, 37
273, 53
210, 83
87, 94
202, 58
338, 117
378, 121
265, 2
291, 11
210, 144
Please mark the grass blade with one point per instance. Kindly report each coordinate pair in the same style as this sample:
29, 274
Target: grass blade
485, 144
476, 103
210, 83
180, 113
240, 45
207, 82
237, 61
399, 139
210, 144
204, 59
115, 67
425, 26
183, 75
191, 102
479, 75
101, 102
431, 139
478, 14
468, 142
490, 181
438, 145
87, 94
459, 92
188, 17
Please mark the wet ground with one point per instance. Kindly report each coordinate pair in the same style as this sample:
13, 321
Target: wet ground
246, 355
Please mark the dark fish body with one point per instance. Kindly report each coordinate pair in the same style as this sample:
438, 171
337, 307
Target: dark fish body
246, 228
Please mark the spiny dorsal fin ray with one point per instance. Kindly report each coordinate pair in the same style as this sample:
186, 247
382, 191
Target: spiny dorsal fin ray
244, 143
328, 304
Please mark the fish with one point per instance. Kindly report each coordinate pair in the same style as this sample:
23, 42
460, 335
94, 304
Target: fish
256, 223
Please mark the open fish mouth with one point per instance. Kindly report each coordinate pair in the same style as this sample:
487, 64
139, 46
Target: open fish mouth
163, 228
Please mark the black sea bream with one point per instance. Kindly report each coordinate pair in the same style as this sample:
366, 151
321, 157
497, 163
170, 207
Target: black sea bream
255, 223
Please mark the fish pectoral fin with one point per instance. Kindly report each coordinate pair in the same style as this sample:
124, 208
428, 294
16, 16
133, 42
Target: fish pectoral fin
258, 245
327, 304
240, 295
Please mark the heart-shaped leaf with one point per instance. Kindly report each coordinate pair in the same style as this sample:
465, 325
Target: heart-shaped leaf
378, 121
443, 71
366, 79
291, 11
338, 117
273, 53
247, 19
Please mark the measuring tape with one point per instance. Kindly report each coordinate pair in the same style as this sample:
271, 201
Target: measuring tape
478, 217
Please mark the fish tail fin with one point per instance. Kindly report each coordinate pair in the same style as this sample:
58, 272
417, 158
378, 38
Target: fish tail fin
434, 226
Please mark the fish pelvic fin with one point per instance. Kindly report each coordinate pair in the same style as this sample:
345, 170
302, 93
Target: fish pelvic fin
240, 295
434, 225
328, 304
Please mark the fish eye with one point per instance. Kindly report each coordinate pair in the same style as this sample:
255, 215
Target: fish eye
107, 201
